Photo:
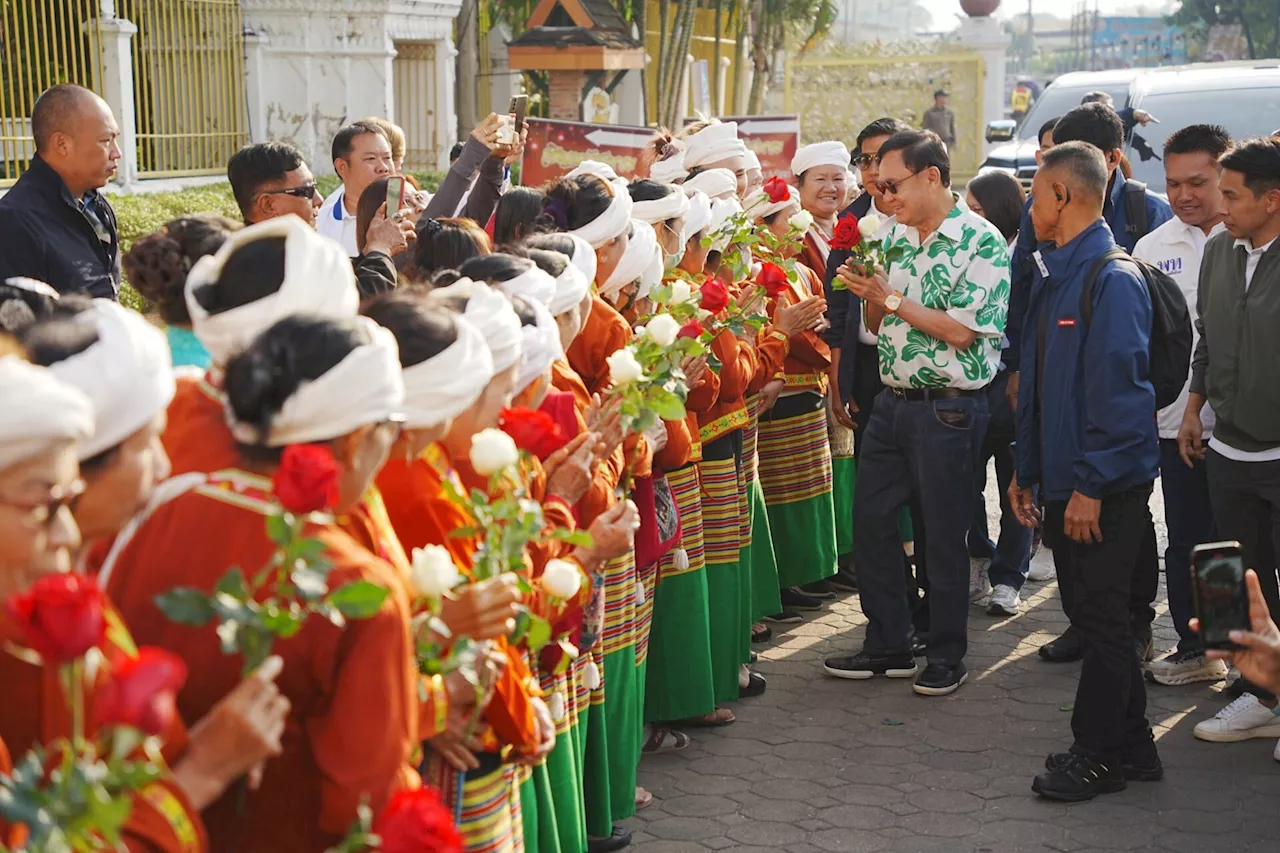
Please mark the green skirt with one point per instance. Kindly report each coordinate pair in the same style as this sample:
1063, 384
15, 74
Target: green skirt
843, 476
795, 471
759, 559
538, 811
722, 533
597, 800
562, 824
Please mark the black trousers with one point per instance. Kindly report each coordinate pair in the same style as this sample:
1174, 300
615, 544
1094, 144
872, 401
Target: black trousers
1145, 586
1246, 507
1111, 699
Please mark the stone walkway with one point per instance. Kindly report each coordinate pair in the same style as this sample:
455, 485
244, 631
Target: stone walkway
820, 764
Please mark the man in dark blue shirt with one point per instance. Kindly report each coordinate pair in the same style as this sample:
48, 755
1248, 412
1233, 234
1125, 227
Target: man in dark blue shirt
1087, 439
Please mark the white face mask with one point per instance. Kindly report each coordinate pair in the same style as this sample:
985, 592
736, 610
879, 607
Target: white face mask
672, 260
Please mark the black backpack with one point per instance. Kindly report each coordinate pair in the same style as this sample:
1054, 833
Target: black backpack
1135, 209
1170, 324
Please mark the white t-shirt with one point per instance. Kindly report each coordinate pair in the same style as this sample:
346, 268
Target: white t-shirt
335, 223
1176, 249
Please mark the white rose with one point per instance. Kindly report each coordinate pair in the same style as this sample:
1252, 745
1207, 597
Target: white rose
492, 450
869, 226
662, 330
624, 368
434, 572
680, 292
801, 221
561, 579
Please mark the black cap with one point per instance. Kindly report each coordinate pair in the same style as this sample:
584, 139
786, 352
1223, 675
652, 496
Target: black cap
941, 93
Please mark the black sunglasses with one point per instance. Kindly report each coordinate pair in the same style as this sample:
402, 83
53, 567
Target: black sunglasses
862, 161
307, 191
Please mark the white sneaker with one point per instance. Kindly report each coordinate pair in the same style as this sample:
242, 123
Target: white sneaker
1042, 568
1178, 668
1005, 601
1243, 719
979, 584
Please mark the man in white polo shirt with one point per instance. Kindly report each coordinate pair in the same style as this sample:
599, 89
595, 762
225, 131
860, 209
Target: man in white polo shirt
1191, 178
361, 155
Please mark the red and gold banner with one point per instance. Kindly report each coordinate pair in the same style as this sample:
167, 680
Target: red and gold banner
555, 147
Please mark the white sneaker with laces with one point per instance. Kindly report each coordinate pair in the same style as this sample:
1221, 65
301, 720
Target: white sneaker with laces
1042, 568
1243, 719
979, 584
1178, 668
1005, 601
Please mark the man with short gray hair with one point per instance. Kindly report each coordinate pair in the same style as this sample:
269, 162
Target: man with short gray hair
1086, 436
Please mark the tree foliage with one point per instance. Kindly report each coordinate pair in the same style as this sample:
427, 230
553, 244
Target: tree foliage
1259, 19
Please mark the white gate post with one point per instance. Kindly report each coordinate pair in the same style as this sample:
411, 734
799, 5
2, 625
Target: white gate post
255, 102
112, 37
988, 38
446, 118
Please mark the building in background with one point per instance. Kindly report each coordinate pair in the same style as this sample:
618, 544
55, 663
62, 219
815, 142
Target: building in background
880, 20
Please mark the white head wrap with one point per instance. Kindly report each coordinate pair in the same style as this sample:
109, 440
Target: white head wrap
652, 275
594, 167
713, 143
540, 347
759, 205
534, 284
318, 279
753, 162
716, 183
39, 411
127, 373
699, 215
16, 316
491, 313
583, 257
611, 224
571, 288
445, 385
671, 170
820, 154
633, 262
721, 211
366, 387
670, 206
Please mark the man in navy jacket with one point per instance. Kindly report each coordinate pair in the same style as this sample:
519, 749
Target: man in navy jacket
1087, 438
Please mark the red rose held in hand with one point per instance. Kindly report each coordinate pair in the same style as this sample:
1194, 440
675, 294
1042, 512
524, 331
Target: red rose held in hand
715, 296
773, 279
533, 431
141, 691
307, 479
417, 822
691, 329
846, 234
60, 616
777, 190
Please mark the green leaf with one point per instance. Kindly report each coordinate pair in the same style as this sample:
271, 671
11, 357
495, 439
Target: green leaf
667, 405
538, 635
186, 606
233, 584
577, 538
283, 622
524, 620
358, 599
278, 529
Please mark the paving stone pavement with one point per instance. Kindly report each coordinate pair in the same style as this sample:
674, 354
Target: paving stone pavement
822, 765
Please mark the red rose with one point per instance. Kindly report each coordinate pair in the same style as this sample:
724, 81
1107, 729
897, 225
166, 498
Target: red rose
692, 329
715, 295
307, 479
773, 279
533, 431
141, 691
846, 234
777, 190
417, 822
60, 616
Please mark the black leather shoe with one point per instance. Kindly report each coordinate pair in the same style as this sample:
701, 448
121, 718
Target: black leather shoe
1065, 649
615, 842
755, 686
940, 679
794, 599
844, 581
862, 666
1077, 778
819, 589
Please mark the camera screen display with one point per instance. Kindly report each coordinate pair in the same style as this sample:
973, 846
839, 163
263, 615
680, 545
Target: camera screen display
1220, 595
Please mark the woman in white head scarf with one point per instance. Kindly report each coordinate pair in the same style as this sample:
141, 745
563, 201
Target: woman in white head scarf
664, 206
715, 145
821, 171
596, 210
755, 175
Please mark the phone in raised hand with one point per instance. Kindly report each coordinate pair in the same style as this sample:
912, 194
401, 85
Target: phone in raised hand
519, 105
395, 195
1221, 599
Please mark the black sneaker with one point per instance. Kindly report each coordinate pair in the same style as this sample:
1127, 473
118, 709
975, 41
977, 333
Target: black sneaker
1065, 649
786, 617
1079, 778
819, 589
794, 599
755, 686
939, 679
863, 666
617, 841
1152, 771
844, 581
919, 644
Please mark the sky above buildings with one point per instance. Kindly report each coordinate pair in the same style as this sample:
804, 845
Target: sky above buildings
946, 12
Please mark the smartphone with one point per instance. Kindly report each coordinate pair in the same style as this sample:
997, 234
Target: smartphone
519, 104
1217, 585
395, 195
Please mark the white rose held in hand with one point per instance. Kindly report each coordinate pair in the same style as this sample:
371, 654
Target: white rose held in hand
624, 369
434, 572
801, 221
492, 450
869, 226
561, 579
663, 329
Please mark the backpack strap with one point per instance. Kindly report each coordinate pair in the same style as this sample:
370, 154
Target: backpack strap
1086, 292
1135, 208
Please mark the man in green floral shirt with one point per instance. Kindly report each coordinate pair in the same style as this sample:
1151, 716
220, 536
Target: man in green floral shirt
939, 312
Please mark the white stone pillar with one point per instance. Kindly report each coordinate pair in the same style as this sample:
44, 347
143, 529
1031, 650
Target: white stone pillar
254, 84
986, 36
446, 108
723, 76
685, 85
112, 37
629, 97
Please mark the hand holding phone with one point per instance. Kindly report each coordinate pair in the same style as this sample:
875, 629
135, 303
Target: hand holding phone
1218, 588
395, 196
519, 105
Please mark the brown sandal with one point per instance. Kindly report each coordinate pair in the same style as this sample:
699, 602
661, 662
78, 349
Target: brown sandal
714, 720
664, 739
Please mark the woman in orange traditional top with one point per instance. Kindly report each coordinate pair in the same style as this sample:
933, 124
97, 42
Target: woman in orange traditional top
821, 171
352, 725
41, 426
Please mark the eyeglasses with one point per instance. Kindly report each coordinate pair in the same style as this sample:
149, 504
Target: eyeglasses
891, 187
862, 161
44, 512
307, 191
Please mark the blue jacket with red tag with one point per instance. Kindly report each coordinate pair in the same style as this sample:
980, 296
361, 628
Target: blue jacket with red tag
1086, 407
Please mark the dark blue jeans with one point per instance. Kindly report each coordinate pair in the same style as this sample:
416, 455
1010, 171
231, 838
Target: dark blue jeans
922, 452
1189, 516
1011, 557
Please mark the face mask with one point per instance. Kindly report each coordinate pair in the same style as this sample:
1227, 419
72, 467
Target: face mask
671, 261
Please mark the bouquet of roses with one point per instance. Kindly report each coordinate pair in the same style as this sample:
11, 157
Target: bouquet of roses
75, 793
756, 243
858, 238
252, 613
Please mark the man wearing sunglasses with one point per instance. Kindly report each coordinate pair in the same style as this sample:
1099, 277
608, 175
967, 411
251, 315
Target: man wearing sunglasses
271, 179
938, 313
